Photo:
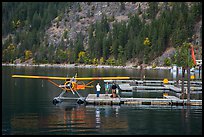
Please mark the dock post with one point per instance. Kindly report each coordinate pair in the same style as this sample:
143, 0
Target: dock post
188, 88
177, 79
182, 86
199, 70
141, 72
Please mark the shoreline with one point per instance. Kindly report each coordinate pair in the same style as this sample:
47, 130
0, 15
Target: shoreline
80, 66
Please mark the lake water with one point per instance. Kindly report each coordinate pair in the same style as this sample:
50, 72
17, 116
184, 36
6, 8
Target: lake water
27, 108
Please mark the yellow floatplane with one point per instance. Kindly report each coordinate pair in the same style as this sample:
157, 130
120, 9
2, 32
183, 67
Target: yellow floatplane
71, 84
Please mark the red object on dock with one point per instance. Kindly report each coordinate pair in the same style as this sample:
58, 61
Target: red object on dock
193, 55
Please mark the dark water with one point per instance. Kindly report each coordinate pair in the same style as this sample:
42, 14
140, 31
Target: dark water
27, 108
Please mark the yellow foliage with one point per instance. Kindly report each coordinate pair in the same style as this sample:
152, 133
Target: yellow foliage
147, 42
16, 24
95, 61
11, 47
101, 60
81, 54
28, 54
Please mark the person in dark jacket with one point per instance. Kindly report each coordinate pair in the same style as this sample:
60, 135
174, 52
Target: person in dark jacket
114, 95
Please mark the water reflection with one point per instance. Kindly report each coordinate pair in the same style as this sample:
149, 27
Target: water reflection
98, 118
69, 118
94, 118
108, 119
27, 108
24, 123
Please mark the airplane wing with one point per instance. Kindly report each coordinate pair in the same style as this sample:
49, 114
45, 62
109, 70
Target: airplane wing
102, 78
65, 78
40, 77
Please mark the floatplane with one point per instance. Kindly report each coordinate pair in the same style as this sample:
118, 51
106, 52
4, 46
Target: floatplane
71, 84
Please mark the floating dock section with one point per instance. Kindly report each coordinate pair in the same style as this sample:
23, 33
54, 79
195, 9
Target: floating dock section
157, 86
152, 82
167, 100
102, 100
144, 86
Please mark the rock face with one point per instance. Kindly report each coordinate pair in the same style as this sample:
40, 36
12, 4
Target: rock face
82, 14
170, 53
167, 54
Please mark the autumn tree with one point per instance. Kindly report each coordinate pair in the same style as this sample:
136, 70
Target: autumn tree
28, 54
83, 57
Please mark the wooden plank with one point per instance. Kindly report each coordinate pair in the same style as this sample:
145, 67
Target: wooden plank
125, 87
149, 88
173, 88
160, 101
196, 92
172, 97
144, 99
195, 88
128, 87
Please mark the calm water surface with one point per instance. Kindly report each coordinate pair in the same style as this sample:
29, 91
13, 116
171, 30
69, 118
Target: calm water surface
27, 108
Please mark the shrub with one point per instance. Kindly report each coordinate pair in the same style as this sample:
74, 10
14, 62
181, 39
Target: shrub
167, 61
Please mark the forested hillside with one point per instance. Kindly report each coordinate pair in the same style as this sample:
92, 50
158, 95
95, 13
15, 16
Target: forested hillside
112, 33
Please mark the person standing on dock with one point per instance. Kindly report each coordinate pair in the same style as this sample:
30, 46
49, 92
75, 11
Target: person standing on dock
107, 88
114, 90
98, 88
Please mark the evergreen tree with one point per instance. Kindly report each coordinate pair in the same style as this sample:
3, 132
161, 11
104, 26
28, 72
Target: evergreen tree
78, 45
153, 9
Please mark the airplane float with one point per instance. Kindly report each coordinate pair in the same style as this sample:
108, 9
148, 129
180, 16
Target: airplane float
72, 84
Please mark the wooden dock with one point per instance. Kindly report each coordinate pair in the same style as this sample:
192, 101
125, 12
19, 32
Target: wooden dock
147, 82
128, 87
162, 88
101, 100
152, 82
151, 86
168, 100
